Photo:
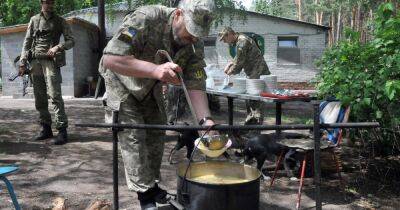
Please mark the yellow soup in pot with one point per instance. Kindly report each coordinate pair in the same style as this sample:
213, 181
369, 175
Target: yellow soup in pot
215, 179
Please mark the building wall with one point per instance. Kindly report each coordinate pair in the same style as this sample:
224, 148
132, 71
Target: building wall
112, 23
85, 59
311, 42
10, 48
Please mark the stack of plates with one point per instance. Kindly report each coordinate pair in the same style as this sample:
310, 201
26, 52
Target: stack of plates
219, 82
255, 86
271, 82
239, 85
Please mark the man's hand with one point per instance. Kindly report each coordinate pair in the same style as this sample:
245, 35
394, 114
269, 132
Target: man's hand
52, 52
228, 70
167, 72
21, 70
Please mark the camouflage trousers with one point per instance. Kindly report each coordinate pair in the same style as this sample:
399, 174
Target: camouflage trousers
141, 150
46, 79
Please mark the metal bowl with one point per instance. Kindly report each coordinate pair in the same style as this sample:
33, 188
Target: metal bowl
211, 153
215, 142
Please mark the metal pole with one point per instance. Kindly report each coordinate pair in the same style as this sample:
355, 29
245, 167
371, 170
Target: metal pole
317, 158
226, 127
230, 110
115, 160
102, 25
102, 38
278, 116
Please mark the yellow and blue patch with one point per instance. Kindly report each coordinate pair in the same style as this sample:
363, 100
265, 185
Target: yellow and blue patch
127, 35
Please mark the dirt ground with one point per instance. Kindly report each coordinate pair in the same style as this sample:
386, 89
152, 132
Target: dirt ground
81, 171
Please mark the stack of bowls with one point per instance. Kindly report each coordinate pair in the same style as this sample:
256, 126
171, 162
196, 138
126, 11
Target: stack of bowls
239, 85
255, 86
271, 82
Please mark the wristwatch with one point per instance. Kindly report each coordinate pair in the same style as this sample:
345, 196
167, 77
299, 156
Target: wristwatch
202, 121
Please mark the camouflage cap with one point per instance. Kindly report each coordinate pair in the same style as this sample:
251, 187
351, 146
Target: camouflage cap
225, 32
198, 16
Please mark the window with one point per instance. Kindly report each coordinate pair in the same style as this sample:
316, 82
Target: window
288, 52
210, 41
287, 41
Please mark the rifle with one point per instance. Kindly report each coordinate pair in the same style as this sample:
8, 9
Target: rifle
25, 78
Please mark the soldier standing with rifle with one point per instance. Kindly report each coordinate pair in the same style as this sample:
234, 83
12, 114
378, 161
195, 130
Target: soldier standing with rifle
134, 71
46, 55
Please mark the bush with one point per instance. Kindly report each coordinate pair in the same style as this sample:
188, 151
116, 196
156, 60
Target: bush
366, 76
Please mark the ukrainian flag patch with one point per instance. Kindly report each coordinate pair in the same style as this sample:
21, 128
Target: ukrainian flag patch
127, 35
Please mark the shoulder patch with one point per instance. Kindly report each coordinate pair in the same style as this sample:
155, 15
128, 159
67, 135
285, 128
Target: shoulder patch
127, 35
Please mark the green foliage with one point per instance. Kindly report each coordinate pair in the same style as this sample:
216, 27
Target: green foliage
281, 8
14, 12
366, 76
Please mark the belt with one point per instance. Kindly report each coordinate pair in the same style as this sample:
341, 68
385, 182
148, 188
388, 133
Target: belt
41, 56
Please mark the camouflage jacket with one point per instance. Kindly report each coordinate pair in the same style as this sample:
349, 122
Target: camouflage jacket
249, 58
144, 32
45, 33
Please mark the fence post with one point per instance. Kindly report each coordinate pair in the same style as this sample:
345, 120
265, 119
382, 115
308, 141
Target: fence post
115, 160
317, 156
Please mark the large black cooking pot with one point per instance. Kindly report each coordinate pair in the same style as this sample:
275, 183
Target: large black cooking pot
217, 185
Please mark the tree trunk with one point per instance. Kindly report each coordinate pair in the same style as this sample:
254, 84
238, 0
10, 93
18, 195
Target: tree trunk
299, 13
371, 18
316, 12
353, 17
332, 31
361, 26
339, 20
358, 20
321, 15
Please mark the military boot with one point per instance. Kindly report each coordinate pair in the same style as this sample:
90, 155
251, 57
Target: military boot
146, 200
45, 133
62, 137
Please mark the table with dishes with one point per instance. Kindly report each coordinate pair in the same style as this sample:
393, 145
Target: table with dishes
263, 89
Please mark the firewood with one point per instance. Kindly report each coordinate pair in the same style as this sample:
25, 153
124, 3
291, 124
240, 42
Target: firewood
99, 205
59, 204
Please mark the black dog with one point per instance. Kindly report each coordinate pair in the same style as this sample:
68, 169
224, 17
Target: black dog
265, 146
185, 138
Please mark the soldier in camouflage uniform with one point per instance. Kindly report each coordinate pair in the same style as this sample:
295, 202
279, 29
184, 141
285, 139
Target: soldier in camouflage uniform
134, 73
176, 105
175, 94
48, 55
249, 58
